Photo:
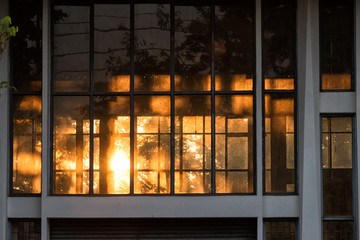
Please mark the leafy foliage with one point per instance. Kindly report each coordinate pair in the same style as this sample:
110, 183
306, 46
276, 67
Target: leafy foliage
6, 31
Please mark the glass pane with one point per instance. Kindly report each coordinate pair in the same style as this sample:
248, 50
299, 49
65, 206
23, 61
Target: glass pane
112, 48
338, 230
280, 230
279, 29
234, 143
27, 45
192, 48
27, 144
152, 47
234, 46
21, 230
112, 144
337, 37
152, 142
279, 142
71, 45
70, 115
192, 144
337, 168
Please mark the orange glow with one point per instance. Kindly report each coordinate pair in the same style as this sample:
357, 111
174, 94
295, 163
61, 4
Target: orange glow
279, 84
238, 82
119, 83
31, 103
159, 83
336, 81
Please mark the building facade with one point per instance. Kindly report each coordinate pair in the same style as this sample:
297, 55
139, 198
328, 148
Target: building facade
175, 119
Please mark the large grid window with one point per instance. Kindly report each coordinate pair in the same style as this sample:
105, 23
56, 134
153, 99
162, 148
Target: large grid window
337, 173
153, 98
26, 68
279, 75
337, 44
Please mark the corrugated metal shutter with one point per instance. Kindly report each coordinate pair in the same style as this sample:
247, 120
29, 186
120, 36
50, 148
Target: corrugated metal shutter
160, 228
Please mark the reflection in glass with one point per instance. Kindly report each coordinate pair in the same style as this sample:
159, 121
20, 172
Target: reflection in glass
27, 144
337, 37
192, 48
112, 48
71, 45
192, 144
234, 46
279, 143
279, 29
280, 230
338, 230
152, 47
337, 166
111, 133
152, 142
69, 166
21, 230
234, 144
26, 45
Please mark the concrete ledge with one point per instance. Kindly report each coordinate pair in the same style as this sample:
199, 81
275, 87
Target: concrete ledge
24, 207
281, 206
337, 102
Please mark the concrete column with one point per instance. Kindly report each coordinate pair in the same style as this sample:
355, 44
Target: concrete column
4, 132
258, 114
309, 121
46, 143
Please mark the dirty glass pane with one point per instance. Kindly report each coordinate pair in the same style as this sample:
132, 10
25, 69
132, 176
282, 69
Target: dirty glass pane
338, 230
27, 45
71, 45
69, 166
152, 144
112, 144
192, 144
21, 230
337, 167
279, 142
112, 48
234, 143
337, 43
192, 48
27, 144
279, 30
234, 46
280, 230
152, 47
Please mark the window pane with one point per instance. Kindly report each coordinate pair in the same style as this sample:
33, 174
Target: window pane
27, 45
21, 230
112, 48
234, 46
276, 230
234, 143
338, 230
152, 144
111, 145
337, 168
71, 45
192, 48
27, 144
192, 144
69, 154
279, 144
279, 29
152, 47
337, 37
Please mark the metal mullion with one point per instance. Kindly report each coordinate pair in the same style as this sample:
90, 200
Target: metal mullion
132, 117
91, 136
172, 89
213, 153
158, 145
226, 152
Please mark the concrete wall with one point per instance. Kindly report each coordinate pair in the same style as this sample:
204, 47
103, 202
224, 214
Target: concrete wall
306, 207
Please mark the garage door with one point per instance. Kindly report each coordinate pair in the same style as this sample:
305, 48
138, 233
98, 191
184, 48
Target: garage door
164, 228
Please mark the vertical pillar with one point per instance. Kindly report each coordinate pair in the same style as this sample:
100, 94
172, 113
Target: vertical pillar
258, 118
309, 120
357, 117
4, 132
46, 143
